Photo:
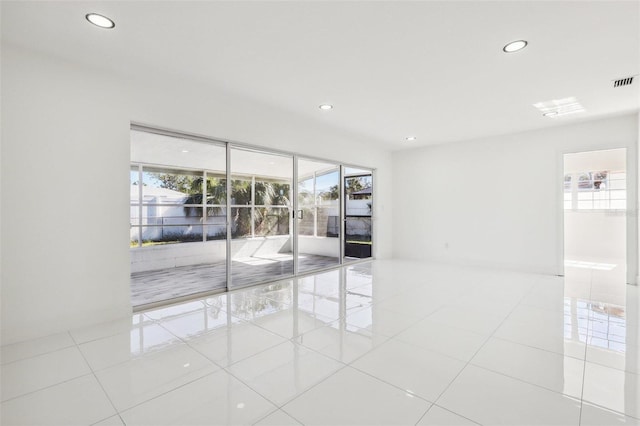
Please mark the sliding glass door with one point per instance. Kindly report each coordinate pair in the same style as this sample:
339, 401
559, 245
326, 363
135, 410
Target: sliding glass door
261, 212
209, 215
318, 215
178, 216
358, 213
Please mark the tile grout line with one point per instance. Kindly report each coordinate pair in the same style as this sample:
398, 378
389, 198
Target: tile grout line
37, 355
446, 409
504, 339
525, 382
584, 365
226, 370
290, 399
97, 380
405, 391
485, 342
292, 341
119, 412
46, 387
170, 390
424, 414
221, 367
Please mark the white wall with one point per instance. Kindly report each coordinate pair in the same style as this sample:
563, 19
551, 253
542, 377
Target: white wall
66, 130
321, 246
595, 235
498, 201
608, 159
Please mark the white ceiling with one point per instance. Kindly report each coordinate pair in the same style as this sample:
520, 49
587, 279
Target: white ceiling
435, 70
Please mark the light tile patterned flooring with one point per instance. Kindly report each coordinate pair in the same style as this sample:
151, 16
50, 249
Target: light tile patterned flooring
166, 284
383, 342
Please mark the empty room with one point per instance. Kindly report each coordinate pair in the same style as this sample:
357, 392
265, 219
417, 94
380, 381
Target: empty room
319, 212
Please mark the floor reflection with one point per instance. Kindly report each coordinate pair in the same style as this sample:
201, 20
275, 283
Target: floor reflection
490, 345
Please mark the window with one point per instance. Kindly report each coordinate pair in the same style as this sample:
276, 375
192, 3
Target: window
171, 205
259, 207
318, 199
595, 190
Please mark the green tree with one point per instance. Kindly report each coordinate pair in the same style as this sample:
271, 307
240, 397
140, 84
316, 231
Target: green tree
332, 194
191, 185
266, 193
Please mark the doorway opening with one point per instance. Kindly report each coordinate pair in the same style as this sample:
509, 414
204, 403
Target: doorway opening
595, 222
358, 209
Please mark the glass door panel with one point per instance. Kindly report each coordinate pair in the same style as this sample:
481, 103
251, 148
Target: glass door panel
318, 215
261, 224
358, 208
178, 217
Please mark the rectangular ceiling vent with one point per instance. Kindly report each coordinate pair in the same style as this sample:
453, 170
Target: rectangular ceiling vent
623, 81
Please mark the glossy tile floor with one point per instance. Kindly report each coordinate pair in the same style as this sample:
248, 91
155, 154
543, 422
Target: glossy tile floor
383, 342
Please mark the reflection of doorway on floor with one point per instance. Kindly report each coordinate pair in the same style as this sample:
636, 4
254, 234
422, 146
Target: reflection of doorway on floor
595, 222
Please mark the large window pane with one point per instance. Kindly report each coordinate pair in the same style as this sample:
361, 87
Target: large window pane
318, 215
271, 221
178, 231
306, 220
241, 191
596, 190
216, 223
327, 188
168, 186
328, 222
241, 222
261, 244
171, 234
216, 189
272, 193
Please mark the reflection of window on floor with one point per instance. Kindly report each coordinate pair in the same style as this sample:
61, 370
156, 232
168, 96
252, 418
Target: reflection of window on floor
599, 190
608, 327
576, 319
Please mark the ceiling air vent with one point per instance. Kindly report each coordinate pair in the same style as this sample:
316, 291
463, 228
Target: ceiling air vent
623, 81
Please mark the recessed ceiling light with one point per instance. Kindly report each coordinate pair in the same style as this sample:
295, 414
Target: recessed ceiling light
326, 107
514, 46
410, 138
184, 151
100, 21
559, 107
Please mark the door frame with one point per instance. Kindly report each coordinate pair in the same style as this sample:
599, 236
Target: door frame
229, 145
632, 238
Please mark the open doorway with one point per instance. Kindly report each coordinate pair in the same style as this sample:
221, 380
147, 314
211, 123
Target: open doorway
358, 209
595, 222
